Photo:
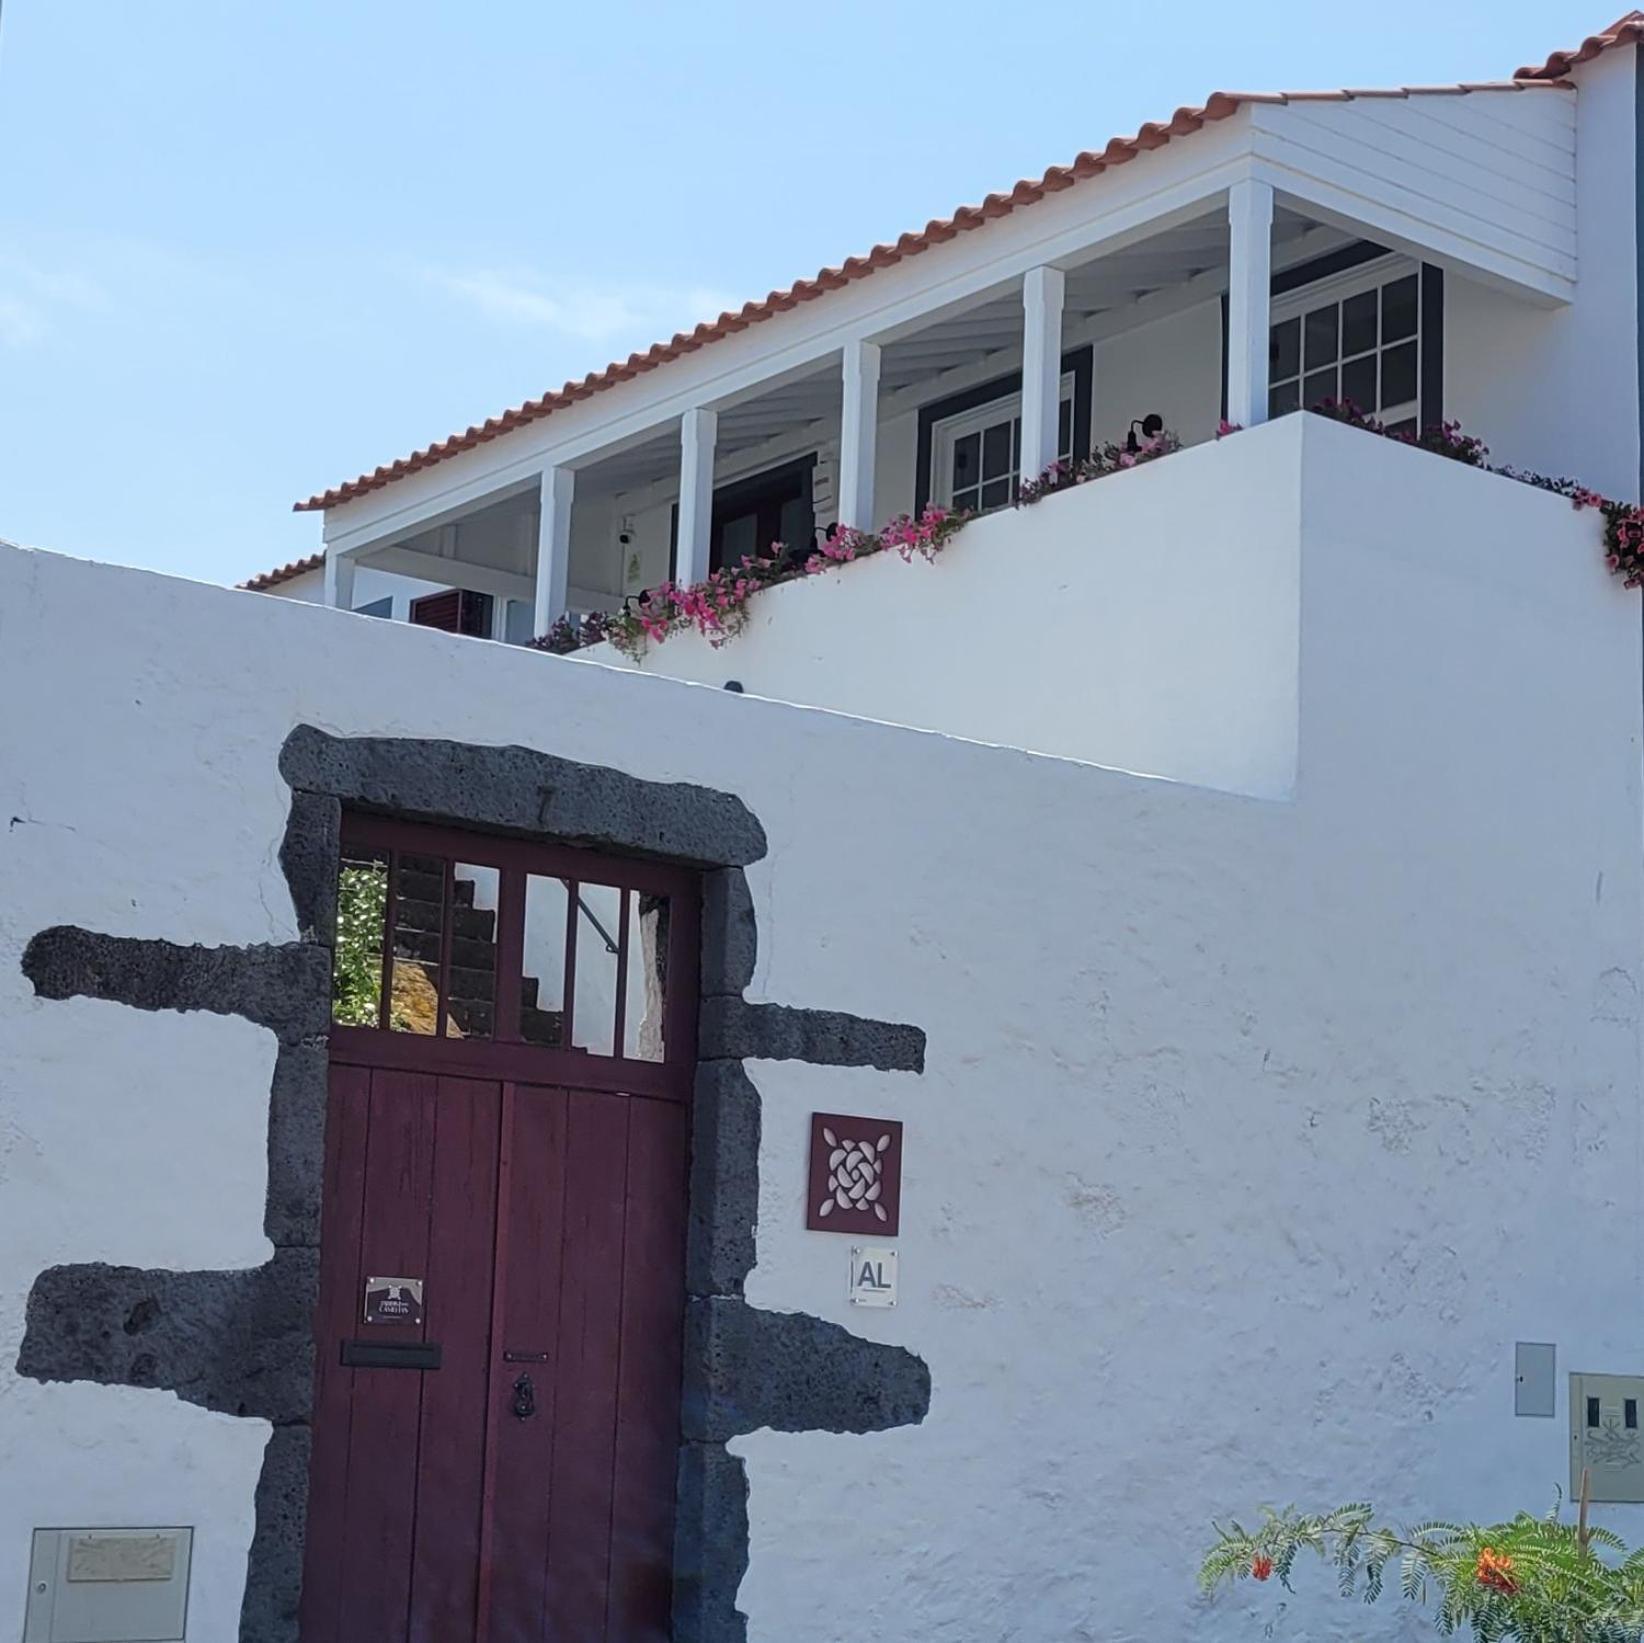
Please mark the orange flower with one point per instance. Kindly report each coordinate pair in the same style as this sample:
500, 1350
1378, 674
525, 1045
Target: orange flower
1261, 1566
1495, 1570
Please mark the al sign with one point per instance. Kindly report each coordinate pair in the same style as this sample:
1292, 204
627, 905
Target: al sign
873, 1275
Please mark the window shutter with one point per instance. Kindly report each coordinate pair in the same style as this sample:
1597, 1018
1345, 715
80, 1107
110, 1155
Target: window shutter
457, 610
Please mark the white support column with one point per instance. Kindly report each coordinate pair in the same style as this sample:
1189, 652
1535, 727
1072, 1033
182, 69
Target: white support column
1043, 290
339, 580
1249, 299
698, 429
858, 435
553, 547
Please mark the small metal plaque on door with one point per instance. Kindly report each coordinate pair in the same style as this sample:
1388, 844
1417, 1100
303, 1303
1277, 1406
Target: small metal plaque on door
393, 1300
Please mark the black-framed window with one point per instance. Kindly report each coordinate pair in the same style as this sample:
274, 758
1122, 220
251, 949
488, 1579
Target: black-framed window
1358, 324
991, 450
752, 514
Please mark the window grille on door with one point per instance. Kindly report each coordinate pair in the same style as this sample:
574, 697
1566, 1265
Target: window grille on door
482, 944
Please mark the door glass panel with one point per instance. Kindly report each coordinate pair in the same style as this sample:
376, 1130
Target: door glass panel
1319, 387
1398, 309
419, 916
996, 443
1283, 399
599, 929
1358, 381
470, 1006
542, 987
362, 912
1358, 323
1398, 374
1320, 343
1284, 350
646, 993
740, 539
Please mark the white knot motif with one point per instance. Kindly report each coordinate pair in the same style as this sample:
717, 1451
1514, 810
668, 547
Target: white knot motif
855, 1175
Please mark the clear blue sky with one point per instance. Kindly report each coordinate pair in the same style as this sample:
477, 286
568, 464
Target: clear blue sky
249, 248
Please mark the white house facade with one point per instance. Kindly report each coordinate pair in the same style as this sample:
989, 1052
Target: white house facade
1464, 253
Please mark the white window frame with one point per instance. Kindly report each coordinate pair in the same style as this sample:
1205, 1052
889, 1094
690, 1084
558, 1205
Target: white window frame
946, 433
1337, 288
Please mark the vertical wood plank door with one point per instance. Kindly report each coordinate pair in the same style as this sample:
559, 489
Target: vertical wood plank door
495, 1450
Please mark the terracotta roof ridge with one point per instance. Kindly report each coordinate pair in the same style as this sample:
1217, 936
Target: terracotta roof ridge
1626, 30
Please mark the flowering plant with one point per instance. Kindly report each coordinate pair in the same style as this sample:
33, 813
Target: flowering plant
1533, 1579
924, 537
572, 633
1062, 475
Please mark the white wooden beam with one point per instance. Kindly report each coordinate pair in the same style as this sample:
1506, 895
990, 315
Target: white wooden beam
1249, 299
698, 429
553, 548
451, 573
1043, 291
858, 434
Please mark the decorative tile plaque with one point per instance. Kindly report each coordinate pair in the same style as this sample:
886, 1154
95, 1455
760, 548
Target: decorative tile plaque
855, 1182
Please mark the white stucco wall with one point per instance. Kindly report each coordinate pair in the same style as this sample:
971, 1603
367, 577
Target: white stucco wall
1147, 621
1253, 1133
1556, 390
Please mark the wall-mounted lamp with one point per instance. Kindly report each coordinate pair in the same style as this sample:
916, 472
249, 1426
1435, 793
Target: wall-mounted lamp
1152, 425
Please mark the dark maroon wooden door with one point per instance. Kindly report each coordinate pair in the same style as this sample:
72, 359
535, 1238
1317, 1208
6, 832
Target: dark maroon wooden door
496, 1434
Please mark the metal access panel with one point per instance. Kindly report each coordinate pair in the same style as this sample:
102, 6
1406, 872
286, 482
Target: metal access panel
108, 1586
1607, 1436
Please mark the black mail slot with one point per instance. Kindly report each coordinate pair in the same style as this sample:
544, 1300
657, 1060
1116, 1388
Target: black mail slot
391, 1354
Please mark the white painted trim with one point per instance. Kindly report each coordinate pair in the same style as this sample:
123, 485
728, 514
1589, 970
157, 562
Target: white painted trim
553, 548
450, 573
858, 434
698, 429
1043, 292
1249, 296
339, 580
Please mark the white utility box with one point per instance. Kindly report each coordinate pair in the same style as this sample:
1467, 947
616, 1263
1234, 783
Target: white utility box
108, 1586
1606, 1438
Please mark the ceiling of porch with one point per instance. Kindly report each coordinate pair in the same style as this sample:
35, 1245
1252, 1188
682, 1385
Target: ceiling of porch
1103, 289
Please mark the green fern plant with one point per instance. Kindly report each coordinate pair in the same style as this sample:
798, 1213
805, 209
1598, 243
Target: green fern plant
1530, 1579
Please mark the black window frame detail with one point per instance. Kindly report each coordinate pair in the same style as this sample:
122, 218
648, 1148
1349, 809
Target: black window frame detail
1080, 363
764, 491
1430, 311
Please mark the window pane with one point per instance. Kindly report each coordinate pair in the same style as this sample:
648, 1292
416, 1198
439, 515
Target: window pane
599, 919
419, 920
1320, 344
739, 539
1408, 426
1283, 399
1284, 350
470, 1007
1398, 309
967, 501
1064, 430
518, 620
1319, 387
542, 986
1358, 323
1358, 381
362, 909
1398, 374
995, 494
647, 990
996, 443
